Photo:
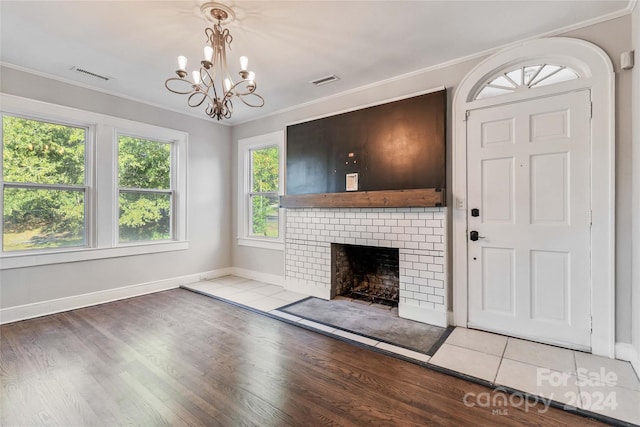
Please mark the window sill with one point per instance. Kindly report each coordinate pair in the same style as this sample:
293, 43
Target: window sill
86, 254
261, 243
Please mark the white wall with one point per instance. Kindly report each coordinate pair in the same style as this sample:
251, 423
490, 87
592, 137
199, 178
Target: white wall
635, 300
613, 36
209, 197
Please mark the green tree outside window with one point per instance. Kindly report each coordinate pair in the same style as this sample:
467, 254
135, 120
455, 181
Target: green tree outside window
144, 176
43, 184
263, 197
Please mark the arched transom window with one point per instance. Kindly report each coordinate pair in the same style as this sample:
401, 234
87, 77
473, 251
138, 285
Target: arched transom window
526, 77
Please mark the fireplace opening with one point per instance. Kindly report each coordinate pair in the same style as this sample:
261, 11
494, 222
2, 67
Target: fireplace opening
365, 272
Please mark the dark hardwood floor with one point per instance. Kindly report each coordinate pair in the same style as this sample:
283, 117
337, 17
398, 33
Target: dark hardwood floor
180, 358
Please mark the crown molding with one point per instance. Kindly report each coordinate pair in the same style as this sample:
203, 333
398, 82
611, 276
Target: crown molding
622, 12
593, 21
105, 91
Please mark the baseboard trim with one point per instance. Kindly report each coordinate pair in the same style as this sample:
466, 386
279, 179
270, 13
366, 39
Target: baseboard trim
424, 315
628, 352
44, 308
227, 271
272, 279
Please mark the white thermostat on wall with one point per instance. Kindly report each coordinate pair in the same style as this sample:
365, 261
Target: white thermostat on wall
352, 182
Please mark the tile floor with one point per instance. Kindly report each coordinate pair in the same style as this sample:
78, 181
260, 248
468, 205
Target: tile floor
597, 384
601, 385
257, 295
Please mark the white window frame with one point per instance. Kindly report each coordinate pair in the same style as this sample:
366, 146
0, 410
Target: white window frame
173, 179
513, 86
101, 194
245, 147
89, 147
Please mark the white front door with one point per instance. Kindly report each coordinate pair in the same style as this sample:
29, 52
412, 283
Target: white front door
529, 179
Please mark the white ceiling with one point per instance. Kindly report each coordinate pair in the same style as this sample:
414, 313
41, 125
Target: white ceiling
289, 43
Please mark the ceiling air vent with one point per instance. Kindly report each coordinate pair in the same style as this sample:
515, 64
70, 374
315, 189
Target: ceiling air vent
90, 74
325, 80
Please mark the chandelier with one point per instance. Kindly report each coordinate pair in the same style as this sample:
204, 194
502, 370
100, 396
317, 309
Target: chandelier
200, 86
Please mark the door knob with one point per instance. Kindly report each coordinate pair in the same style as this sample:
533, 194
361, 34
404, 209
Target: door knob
473, 235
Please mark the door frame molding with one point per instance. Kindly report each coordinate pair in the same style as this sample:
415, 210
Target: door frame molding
598, 76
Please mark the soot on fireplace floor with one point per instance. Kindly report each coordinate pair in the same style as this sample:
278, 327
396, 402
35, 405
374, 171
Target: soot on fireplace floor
365, 272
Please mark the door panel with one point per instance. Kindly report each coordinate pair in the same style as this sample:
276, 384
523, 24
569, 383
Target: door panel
529, 174
548, 126
549, 188
498, 132
550, 285
498, 280
497, 190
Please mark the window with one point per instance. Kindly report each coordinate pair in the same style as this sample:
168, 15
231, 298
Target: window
526, 77
260, 164
78, 185
43, 184
263, 198
145, 195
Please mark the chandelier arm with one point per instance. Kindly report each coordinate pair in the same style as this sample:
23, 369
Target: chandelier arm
194, 101
228, 108
209, 32
259, 104
249, 88
179, 92
225, 39
227, 105
210, 86
217, 41
209, 111
210, 79
220, 109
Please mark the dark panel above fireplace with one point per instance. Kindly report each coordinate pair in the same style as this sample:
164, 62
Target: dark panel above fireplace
395, 146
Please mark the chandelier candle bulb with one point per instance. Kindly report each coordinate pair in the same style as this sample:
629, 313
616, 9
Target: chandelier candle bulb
208, 53
244, 63
251, 80
196, 76
227, 85
182, 63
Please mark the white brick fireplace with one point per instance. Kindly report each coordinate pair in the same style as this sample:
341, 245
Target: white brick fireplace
418, 233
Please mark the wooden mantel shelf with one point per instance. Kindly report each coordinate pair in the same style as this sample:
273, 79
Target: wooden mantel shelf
423, 197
